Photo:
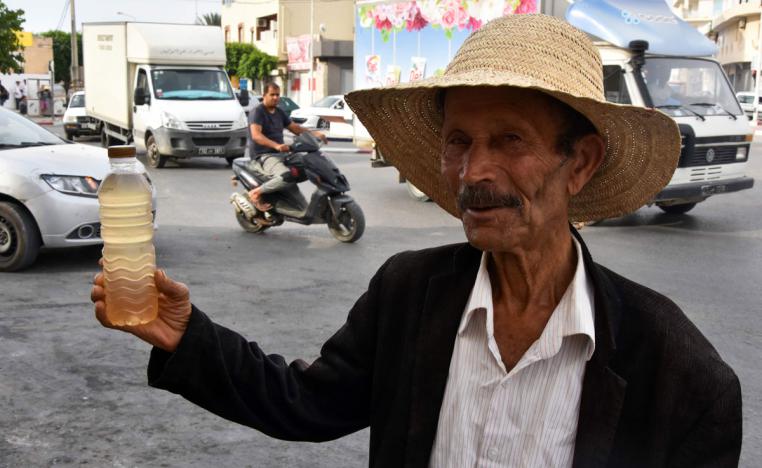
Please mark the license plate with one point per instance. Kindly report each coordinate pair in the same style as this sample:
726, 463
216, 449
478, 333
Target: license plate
90, 126
211, 150
713, 189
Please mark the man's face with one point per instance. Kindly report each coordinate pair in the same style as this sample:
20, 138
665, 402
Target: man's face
271, 98
499, 159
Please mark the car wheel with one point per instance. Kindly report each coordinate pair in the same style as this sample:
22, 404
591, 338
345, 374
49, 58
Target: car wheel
153, 157
19, 238
677, 209
70, 136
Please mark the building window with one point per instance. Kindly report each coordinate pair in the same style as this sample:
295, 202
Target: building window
227, 33
266, 23
240, 32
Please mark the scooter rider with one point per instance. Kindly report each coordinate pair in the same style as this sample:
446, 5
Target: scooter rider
266, 125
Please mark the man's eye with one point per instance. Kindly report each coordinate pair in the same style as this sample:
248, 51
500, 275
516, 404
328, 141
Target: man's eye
457, 140
511, 137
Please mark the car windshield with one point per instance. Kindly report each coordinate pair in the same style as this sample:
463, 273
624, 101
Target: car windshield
287, 104
686, 86
18, 132
748, 98
191, 85
78, 100
327, 101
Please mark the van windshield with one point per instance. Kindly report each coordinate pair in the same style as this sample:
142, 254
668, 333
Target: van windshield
689, 86
190, 85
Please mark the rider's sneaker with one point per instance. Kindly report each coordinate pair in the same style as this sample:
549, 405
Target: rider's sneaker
244, 205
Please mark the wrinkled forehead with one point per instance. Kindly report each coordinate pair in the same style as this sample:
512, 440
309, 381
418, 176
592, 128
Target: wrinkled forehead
472, 103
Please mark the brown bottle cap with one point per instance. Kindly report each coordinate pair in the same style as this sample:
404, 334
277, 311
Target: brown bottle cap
121, 151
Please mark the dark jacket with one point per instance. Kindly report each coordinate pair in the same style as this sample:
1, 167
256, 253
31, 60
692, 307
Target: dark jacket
655, 392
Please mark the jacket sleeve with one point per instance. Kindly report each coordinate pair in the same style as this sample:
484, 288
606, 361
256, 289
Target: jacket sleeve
715, 439
217, 369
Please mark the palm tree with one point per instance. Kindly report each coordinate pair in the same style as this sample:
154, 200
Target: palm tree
210, 19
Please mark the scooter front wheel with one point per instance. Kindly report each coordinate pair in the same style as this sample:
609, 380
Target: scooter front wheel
350, 224
249, 226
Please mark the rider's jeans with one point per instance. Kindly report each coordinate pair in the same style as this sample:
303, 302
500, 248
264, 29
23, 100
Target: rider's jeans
273, 166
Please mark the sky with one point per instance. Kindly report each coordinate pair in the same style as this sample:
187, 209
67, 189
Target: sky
44, 15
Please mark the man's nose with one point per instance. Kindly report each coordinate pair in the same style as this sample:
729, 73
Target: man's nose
478, 163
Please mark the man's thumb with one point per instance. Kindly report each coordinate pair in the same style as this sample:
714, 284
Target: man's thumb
168, 287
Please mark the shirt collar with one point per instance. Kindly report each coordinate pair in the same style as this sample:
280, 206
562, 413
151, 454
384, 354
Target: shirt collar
572, 316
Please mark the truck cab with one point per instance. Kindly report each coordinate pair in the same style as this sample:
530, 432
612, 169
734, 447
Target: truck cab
164, 88
653, 59
186, 111
695, 92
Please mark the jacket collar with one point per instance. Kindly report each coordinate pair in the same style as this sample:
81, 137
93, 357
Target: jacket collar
446, 297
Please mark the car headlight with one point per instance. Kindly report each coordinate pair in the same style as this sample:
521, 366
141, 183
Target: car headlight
170, 121
242, 122
741, 153
69, 119
73, 185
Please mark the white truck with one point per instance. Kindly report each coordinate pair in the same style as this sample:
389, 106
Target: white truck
650, 58
162, 87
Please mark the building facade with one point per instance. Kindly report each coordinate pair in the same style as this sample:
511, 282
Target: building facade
282, 28
736, 29
37, 54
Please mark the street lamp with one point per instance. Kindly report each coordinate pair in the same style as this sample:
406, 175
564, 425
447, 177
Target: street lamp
121, 13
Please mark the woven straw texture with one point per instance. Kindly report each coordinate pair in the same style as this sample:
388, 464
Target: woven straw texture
538, 52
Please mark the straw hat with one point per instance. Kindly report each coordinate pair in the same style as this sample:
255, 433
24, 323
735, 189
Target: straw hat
538, 52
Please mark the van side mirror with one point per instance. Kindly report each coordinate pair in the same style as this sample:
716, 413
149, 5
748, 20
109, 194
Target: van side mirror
140, 97
243, 98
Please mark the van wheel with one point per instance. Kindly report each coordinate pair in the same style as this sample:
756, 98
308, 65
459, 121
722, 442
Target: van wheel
153, 158
70, 136
19, 239
677, 209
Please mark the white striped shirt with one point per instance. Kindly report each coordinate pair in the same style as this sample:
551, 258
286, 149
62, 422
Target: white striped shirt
526, 417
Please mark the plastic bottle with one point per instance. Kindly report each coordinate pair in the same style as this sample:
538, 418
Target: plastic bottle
129, 258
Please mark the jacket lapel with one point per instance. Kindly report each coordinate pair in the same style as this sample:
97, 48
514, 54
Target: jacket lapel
446, 298
603, 390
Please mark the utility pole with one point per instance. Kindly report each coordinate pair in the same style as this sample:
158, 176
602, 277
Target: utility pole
312, 52
75, 82
759, 71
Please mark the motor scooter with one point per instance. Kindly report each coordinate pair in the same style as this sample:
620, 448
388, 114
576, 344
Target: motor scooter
328, 204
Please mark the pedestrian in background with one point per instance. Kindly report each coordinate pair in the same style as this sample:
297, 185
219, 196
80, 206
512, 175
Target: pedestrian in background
18, 94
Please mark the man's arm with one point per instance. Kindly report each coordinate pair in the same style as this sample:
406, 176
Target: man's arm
261, 139
219, 370
715, 439
297, 129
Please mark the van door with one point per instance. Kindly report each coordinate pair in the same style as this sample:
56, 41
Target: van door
141, 107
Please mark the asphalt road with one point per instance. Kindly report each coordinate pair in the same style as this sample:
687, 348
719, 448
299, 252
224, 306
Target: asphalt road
74, 393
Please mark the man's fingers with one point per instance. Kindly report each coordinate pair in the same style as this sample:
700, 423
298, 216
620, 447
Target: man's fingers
98, 279
171, 289
100, 262
97, 294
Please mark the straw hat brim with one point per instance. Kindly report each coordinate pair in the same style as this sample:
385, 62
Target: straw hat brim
642, 145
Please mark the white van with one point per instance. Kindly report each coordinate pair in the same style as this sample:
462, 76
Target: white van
163, 87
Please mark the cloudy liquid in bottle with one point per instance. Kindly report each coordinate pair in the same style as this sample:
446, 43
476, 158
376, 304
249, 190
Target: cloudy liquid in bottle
129, 259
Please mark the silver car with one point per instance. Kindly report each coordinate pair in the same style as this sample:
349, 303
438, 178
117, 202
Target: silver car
48, 191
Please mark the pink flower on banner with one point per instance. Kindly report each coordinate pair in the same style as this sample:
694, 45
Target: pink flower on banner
473, 23
415, 20
431, 12
526, 6
399, 14
449, 19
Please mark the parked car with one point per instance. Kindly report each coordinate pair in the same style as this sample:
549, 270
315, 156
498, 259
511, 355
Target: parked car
285, 103
323, 112
76, 121
48, 191
747, 103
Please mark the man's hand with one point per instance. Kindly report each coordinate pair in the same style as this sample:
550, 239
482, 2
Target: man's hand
321, 135
169, 326
282, 148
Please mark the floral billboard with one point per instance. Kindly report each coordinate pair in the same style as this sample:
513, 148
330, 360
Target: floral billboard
447, 15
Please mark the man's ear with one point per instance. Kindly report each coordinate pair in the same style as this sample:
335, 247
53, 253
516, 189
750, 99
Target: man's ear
589, 152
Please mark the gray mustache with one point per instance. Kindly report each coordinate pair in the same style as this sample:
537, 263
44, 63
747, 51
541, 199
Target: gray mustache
486, 196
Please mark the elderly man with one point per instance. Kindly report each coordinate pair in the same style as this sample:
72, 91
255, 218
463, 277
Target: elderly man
515, 349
